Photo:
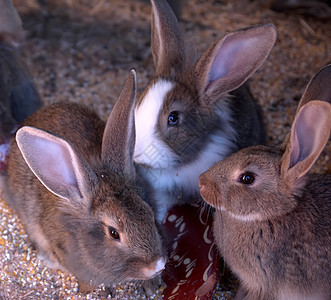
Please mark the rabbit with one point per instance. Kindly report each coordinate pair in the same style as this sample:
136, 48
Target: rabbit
73, 184
11, 31
19, 97
186, 120
272, 221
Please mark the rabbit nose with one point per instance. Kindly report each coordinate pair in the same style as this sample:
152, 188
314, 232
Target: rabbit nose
160, 264
202, 184
206, 189
203, 179
204, 192
156, 269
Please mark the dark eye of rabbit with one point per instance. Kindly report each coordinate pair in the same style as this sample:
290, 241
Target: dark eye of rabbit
114, 233
173, 118
247, 178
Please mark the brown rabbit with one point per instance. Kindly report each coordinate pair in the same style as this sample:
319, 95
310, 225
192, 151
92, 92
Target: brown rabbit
76, 191
272, 221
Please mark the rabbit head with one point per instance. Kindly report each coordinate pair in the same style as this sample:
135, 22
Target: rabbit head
259, 182
93, 218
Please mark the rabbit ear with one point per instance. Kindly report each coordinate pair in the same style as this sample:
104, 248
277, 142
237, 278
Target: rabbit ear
119, 136
56, 164
319, 87
229, 62
309, 135
167, 40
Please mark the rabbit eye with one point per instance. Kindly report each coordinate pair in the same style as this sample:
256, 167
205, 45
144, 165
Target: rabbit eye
113, 233
247, 178
173, 118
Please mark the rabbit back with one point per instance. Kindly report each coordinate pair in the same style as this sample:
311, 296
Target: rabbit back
251, 128
77, 124
19, 96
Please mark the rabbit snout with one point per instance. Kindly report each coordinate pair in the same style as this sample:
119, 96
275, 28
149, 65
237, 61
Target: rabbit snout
155, 268
208, 189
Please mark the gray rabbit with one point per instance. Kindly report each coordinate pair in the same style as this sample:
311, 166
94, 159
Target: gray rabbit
272, 221
19, 97
73, 183
187, 119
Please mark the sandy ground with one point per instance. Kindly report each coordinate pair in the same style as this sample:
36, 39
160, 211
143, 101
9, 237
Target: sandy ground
83, 50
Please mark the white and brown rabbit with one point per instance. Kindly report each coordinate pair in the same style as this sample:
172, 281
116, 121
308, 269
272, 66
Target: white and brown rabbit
77, 193
186, 120
272, 221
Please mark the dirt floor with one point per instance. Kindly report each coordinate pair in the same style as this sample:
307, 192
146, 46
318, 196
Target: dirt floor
82, 51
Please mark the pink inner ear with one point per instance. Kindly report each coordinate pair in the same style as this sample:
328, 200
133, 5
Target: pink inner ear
295, 151
229, 58
51, 159
56, 163
305, 136
309, 134
231, 61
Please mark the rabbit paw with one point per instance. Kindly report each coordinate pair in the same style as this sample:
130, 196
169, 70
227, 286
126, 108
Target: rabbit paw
50, 261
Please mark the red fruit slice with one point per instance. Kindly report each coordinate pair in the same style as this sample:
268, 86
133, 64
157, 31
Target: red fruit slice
194, 266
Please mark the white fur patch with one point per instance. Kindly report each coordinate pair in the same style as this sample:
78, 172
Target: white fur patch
186, 177
245, 218
149, 149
